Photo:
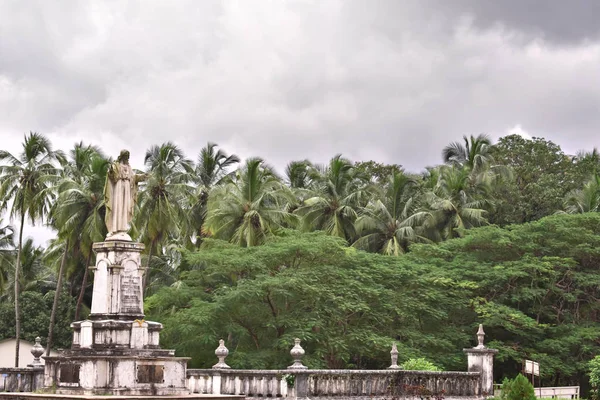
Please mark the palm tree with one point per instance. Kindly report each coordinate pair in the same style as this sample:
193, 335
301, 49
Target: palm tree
213, 166
162, 214
299, 177
78, 215
457, 202
211, 169
586, 199
298, 174
24, 180
35, 274
474, 154
337, 193
390, 224
249, 207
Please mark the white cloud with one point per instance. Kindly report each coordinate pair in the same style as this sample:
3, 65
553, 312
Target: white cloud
518, 130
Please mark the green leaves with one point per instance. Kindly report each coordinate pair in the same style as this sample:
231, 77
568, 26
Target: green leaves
533, 286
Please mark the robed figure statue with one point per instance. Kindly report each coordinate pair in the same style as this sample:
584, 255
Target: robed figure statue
120, 194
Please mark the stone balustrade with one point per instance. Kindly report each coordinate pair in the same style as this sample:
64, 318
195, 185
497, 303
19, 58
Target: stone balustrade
299, 382
21, 379
334, 383
252, 383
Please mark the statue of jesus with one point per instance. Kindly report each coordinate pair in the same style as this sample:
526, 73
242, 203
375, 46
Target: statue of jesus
120, 194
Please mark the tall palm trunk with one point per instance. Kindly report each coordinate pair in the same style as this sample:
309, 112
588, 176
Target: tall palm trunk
147, 272
83, 285
17, 308
61, 270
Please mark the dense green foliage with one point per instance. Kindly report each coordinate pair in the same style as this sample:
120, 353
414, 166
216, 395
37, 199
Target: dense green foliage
348, 256
533, 286
419, 364
36, 308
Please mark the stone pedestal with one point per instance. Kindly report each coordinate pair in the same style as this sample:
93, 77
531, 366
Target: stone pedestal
118, 277
481, 359
115, 351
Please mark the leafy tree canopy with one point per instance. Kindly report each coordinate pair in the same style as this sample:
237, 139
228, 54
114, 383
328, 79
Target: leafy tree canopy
533, 286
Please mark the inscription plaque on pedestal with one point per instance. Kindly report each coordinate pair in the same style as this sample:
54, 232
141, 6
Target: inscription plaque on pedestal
150, 373
131, 294
69, 373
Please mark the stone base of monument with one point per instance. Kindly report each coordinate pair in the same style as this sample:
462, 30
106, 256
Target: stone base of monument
131, 373
115, 351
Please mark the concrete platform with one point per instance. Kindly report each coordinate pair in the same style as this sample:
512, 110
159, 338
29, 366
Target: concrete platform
48, 396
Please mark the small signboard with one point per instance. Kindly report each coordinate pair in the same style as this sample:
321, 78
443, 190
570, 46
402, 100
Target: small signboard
531, 368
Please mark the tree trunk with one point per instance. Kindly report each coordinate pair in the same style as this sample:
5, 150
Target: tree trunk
147, 272
83, 285
17, 309
63, 261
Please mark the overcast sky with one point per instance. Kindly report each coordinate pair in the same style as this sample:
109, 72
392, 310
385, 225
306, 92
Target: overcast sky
393, 81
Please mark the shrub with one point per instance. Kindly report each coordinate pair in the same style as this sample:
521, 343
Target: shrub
419, 364
517, 389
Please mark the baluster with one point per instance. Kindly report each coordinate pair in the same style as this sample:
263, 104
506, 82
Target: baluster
28, 387
262, 385
335, 385
268, 386
230, 384
279, 386
252, 386
274, 386
315, 385
326, 384
246, 385
224, 384
209, 384
238, 385
11, 385
203, 384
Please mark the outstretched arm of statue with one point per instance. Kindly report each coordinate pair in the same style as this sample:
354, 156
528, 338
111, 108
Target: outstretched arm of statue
141, 177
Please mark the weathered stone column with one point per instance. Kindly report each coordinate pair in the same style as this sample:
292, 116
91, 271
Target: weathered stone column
481, 359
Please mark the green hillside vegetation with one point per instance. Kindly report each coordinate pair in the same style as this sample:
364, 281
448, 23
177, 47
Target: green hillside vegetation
349, 256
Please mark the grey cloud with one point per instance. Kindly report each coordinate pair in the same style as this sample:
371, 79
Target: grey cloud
385, 80
561, 22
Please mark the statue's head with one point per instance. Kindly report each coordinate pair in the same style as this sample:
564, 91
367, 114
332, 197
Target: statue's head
123, 156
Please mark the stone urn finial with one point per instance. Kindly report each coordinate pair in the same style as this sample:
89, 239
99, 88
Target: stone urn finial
297, 352
221, 352
480, 336
37, 350
394, 354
